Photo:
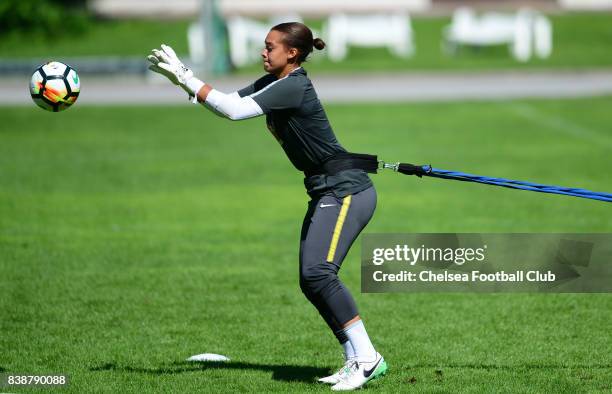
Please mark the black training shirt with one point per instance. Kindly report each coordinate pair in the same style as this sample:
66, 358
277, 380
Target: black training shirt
296, 118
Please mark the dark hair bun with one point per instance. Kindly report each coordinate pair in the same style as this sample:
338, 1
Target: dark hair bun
318, 43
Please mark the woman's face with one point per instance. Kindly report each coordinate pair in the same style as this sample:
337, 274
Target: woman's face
276, 55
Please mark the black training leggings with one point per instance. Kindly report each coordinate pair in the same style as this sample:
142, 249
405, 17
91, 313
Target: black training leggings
330, 227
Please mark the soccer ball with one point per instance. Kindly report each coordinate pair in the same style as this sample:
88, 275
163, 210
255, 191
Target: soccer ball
55, 86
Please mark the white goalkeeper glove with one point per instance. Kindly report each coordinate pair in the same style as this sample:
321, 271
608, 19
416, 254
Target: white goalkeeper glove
166, 63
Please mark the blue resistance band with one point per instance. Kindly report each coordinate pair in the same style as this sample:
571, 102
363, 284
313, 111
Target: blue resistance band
410, 169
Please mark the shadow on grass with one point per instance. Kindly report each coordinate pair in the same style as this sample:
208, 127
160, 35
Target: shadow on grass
289, 373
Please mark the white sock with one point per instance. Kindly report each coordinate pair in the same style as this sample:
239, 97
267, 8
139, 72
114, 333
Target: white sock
358, 337
349, 352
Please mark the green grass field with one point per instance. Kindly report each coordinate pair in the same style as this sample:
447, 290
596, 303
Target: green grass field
580, 40
134, 237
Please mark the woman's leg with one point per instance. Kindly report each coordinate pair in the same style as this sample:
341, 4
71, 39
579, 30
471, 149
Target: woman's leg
330, 227
305, 248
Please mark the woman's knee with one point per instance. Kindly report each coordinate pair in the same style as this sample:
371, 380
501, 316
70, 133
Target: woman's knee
314, 281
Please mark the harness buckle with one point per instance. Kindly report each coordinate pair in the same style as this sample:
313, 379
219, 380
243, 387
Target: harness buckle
392, 166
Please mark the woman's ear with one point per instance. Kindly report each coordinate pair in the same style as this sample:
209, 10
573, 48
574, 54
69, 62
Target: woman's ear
292, 55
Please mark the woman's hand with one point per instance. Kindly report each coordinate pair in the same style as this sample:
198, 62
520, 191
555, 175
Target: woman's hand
166, 63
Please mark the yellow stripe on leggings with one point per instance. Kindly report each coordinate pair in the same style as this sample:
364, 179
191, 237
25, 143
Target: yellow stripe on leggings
346, 203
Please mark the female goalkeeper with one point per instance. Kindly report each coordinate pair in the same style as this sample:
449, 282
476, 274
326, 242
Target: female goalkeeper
343, 199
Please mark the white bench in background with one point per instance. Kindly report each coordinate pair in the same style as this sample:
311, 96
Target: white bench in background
525, 32
392, 31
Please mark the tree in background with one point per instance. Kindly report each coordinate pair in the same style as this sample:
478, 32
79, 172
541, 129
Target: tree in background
48, 17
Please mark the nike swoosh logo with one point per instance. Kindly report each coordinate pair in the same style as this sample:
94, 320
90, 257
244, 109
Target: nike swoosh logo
368, 372
327, 205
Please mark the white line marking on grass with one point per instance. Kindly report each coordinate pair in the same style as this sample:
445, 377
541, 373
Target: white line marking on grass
557, 123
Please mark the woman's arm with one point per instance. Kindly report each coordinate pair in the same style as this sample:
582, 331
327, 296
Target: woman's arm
231, 106
268, 94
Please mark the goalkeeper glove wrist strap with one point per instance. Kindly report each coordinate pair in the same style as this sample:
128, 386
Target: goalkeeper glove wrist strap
193, 86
